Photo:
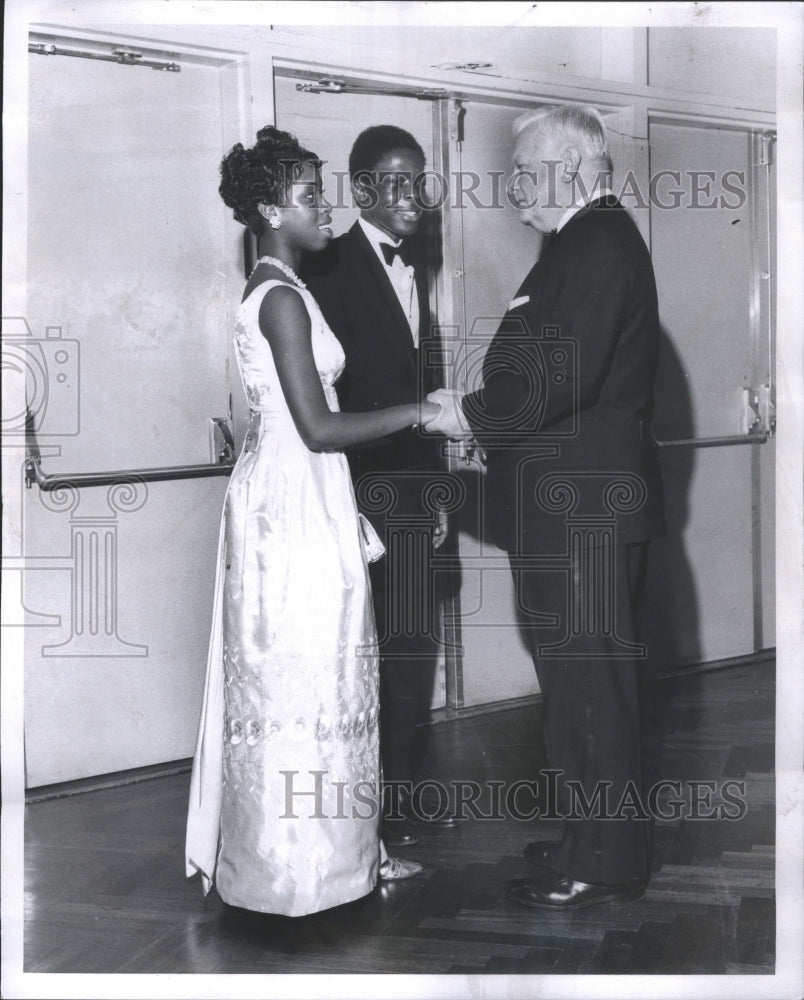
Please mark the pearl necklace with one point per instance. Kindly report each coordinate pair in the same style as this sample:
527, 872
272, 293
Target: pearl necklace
281, 266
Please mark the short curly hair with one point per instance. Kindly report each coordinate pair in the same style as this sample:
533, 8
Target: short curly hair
373, 143
262, 174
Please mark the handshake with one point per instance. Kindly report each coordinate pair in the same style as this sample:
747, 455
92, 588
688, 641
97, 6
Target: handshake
442, 414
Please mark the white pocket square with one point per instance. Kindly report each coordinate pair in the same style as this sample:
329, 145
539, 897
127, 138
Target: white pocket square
518, 302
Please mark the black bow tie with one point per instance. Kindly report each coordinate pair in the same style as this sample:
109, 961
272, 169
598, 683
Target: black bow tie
402, 251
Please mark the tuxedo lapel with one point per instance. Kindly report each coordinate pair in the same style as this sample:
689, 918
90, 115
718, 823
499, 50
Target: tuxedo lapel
554, 240
423, 294
375, 273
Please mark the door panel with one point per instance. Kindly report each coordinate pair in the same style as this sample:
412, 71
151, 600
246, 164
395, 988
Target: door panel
497, 252
129, 276
709, 584
705, 579
330, 123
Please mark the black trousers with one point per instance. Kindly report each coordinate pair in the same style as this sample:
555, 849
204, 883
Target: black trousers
405, 608
591, 700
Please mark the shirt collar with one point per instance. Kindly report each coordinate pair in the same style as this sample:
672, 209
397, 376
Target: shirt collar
582, 203
376, 236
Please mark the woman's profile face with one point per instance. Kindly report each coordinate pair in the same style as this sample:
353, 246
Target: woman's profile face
306, 218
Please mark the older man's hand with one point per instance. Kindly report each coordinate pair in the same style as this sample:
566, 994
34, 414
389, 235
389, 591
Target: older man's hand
450, 420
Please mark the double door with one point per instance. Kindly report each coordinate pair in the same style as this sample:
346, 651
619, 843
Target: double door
711, 591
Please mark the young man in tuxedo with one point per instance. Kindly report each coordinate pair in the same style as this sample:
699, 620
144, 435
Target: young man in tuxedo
372, 287
574, 495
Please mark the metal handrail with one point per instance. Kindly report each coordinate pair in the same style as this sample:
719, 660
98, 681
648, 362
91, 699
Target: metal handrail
48, 483
225, 464
716, 442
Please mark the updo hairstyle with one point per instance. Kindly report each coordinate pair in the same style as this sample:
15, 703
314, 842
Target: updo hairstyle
262, 174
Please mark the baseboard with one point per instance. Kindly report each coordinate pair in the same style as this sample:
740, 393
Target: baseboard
438, 716
100, 782
750, 659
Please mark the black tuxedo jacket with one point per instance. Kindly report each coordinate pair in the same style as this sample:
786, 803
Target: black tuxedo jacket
568, 383
383, 368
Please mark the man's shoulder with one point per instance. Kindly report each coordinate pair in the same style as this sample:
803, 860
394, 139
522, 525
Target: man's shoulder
338, 253
349, 243
604, 227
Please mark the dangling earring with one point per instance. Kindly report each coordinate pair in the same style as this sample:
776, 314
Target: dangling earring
275, 222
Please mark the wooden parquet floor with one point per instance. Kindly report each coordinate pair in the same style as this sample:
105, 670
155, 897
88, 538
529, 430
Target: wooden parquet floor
106, 892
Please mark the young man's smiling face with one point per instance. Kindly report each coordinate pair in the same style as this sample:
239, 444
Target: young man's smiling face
390, 194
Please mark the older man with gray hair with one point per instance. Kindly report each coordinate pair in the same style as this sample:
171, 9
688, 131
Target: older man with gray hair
573, 493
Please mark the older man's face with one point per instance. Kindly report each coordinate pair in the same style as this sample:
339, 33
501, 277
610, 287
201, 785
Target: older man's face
537, 189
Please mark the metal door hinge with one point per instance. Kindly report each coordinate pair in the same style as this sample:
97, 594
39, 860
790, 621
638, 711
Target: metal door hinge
456, 116
221, 440
759, 410
767, 408
766, 140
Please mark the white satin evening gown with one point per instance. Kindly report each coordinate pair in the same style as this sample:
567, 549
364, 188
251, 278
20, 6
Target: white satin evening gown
283, 812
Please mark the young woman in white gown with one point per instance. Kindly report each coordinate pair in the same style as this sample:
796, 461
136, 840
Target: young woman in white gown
283, 812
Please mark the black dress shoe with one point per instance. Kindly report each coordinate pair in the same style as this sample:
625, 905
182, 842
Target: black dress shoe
560, 892
397, 833
543, 853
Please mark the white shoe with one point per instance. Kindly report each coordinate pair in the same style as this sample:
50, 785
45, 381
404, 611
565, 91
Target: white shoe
393, 869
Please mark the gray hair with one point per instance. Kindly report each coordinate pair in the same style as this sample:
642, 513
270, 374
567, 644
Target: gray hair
581, 125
